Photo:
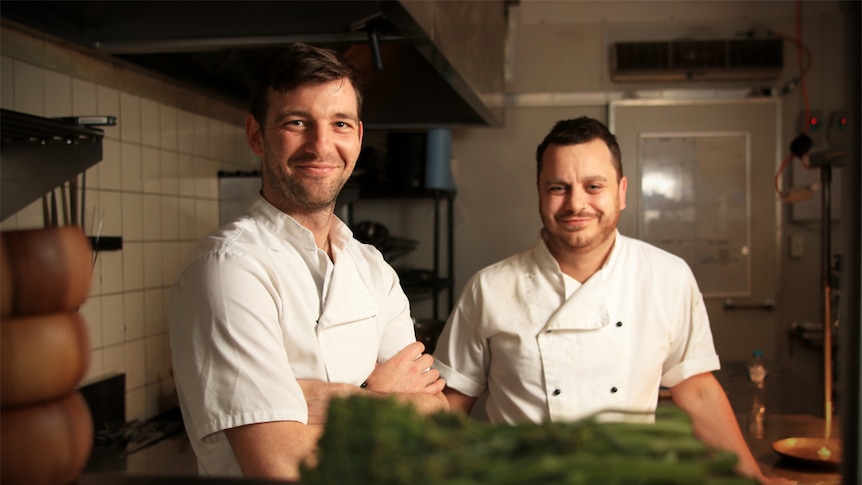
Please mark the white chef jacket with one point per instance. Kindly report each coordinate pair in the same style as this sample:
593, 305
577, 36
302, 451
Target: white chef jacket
257, 307
637, 324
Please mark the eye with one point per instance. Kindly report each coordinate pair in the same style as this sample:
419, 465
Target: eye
343, 126
592, 188
293, 123
557, 189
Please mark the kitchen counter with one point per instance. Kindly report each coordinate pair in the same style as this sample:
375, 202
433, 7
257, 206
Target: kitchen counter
172, 462
791, 412
779, 426
115, 478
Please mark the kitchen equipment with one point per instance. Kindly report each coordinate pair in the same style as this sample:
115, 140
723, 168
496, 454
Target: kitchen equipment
826, 449
376, 234
810, 451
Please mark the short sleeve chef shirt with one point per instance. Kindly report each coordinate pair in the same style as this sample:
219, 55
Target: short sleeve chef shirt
257, 307
547, 353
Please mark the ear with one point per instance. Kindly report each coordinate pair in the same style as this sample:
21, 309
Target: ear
254, 135
623, 187
361, 132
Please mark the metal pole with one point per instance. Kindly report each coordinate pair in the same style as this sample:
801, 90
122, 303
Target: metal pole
825, 271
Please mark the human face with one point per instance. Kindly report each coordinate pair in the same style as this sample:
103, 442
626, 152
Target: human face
309, 145
580, 198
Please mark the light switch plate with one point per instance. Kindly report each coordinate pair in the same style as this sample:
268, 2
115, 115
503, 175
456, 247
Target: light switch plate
797, 246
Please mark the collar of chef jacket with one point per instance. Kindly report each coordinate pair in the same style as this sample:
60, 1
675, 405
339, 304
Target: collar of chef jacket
586, 308
347, 299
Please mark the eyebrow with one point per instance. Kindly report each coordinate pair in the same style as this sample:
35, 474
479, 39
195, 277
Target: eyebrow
589, 178
305, 114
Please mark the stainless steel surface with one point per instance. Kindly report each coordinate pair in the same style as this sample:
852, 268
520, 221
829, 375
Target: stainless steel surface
776, 427
440, 60
40, 154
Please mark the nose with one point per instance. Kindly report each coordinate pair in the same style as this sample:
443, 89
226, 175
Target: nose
577, 198
318, 140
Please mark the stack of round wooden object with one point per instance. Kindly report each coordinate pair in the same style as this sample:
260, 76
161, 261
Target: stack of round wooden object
46, 429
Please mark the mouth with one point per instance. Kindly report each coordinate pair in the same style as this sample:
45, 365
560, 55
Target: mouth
575, 222
316, 169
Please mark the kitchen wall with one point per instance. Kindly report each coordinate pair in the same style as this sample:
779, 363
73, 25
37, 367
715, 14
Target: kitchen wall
156, 187
558, 68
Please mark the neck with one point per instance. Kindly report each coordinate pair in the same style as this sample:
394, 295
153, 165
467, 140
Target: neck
579, 263
319, 223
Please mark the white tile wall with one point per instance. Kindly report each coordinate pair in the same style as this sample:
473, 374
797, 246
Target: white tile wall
58, 94
29, 85
7, 81
157, 188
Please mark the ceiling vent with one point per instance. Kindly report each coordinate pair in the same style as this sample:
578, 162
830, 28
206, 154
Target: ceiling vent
690, 60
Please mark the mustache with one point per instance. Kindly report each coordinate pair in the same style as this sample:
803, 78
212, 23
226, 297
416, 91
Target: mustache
572, 213
312, 158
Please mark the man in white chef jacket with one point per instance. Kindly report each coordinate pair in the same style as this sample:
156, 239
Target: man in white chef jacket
587, 321
282, 309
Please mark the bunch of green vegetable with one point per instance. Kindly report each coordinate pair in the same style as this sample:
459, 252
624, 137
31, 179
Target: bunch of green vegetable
381, 441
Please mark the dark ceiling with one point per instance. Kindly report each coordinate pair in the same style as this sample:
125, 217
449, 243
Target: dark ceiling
214, 45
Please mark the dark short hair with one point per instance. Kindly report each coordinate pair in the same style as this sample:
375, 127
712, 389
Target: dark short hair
575, 132
296, 65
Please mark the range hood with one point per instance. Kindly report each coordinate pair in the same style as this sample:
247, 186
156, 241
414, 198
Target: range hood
425, 63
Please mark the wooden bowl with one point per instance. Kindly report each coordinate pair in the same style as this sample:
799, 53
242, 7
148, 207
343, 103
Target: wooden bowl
49, 270
42, 357
46, 444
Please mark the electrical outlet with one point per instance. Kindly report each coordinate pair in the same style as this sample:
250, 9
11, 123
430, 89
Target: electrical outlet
815, 123
837, 133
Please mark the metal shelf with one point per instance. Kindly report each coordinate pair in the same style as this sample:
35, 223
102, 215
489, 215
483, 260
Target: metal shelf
40, 154
421, 284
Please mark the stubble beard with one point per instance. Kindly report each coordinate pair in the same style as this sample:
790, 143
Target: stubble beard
304, 194
582, 240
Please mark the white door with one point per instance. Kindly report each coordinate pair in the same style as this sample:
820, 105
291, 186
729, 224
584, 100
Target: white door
701, 176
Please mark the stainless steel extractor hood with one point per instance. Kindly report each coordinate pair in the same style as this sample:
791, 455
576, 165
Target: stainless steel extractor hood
425, 63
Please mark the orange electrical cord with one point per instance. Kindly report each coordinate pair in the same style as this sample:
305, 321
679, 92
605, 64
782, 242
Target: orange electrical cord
802, 54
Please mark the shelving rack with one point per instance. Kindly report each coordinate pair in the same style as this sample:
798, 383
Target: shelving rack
438, 281
40, 154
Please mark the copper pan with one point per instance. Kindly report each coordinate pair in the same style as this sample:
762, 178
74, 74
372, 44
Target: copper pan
812, 451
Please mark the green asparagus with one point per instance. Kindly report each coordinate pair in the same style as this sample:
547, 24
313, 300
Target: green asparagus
382, 441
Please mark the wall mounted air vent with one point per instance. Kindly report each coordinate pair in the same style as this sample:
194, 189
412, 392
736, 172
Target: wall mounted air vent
690, 60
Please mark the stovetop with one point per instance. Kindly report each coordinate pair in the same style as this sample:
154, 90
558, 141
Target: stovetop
158, 446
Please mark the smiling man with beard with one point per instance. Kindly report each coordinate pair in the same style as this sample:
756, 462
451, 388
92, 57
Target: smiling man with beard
281, 310
588, 321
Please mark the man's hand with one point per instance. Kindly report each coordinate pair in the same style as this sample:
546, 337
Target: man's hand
409, 371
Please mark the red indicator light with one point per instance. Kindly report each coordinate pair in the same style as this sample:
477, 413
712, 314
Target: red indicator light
842, 121
813, 121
